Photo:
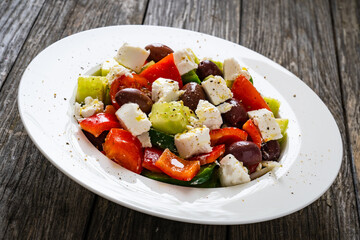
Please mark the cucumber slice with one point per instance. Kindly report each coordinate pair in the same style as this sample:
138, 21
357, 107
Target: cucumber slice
107, 65
93, 86
273, 104
169, 117
162, 140
190, 77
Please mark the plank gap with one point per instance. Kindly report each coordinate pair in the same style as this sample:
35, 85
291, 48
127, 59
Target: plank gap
145, 12
347, 144
89, 218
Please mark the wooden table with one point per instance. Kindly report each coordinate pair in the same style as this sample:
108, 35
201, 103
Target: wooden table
316, 40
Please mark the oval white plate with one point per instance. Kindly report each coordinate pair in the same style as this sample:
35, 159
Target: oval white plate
309, 164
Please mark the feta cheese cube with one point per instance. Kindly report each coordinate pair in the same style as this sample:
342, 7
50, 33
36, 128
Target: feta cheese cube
165, 90
133, 119
77, 108
185, 61
265, 121
216, 90
224, 107
232, 70
208, 114
232, 172
193, 142
132, 57
145, 140
116, 72
107, 65
91, 107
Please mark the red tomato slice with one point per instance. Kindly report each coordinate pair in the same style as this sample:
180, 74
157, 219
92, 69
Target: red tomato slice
99, 122
165, 68
125, 149
253, 132
211, 156
176, 167
136, 81
151, 155
110, 109
227, 135
244, 91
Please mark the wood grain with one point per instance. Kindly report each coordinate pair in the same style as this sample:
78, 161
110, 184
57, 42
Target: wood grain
346, 15
37, 200
16, 20
298, 36
220, 18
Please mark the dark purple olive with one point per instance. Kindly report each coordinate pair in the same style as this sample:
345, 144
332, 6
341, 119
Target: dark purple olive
207, 68
96, 141
192, 95
158, 51
246, 152
270, 150
237, 115
133, 95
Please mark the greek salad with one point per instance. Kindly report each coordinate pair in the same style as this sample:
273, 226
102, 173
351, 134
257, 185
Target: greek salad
171, 117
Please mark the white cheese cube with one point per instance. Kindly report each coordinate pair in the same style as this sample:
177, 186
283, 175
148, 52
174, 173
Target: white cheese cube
184, 61
145, 140
116, 72
232, 172
216, 90
91, 107
132, 57
208, 115
232, 70
165, 90
265, 121
224, 107
77, 108
193, 142
107, 65
133, 119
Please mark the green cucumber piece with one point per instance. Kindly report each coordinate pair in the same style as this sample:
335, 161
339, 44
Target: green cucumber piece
283, 124
273, 104
147, 65
169, 117
251, 80
190, 77
162, 140
93, 86
202, 177
196, 59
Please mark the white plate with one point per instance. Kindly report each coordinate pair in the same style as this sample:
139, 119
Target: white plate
310, 161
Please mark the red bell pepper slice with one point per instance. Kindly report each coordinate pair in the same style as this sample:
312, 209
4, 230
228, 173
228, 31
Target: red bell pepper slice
211, 156
244, 91
99, 122
227, 135
151, 155
125, 149
165, 68
136, 81
176, 167
253, 132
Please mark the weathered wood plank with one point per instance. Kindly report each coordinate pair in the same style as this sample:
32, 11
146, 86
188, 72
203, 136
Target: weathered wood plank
16, 20
298, 35
220, 18
346, 15
37, 201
